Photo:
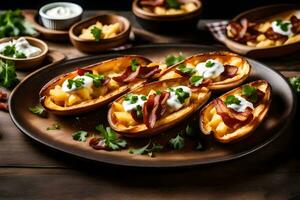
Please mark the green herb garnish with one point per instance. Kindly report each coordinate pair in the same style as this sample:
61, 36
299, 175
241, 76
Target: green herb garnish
38, 110
173, 4
134, 65
54, 126
196, 80
96, 32
231, 99
9, 51
20, 54
295, 82
13, 23
158, 92
131, 98
97, 78
186, 70
209, 64
189, 131
148, 149
80, 136
181, 95
250, 92
139, 112
8, 76
172, 59
177, 142
110, 138
283, 25
78, 82
144, 98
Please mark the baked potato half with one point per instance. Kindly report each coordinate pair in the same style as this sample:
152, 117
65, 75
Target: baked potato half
220, 70
155, 107
93, 86
237, 113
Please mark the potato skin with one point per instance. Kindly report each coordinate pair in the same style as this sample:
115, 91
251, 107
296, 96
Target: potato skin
164, 123
116, 64
244, 68
245, 130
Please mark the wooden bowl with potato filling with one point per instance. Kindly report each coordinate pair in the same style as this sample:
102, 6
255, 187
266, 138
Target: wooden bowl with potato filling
211, 121
84, 99
124, 123
262, 46
224, 81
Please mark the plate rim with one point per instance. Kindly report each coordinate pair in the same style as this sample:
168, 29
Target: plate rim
153, 164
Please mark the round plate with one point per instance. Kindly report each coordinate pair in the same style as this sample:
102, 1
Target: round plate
26, 94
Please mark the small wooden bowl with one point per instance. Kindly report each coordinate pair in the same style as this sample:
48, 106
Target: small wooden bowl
259, 14
167, 23
27, 63
92, 46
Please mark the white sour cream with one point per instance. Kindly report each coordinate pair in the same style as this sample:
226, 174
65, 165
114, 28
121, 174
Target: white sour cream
22, 46
173, 101
88, 83
128, 106
242, 106
277, 28
210, 72
60, 12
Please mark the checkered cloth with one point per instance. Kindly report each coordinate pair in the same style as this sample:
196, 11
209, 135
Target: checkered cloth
218, 29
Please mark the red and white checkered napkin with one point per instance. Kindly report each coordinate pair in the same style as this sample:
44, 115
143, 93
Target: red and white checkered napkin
218, 29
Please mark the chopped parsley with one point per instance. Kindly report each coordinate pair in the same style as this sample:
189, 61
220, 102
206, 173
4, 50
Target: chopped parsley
196, 80
186, 70
131, 98
8, 76
134, 65
78, 82
96, 32
231, 99
250, 92
148, 149
283, 25
209, 64
144, 98
172, 59
139, 112
181, 95
295, 82
80, 136
110, 138
177, 142
97, 78
38, 110
54, 126
158, 92
173, 4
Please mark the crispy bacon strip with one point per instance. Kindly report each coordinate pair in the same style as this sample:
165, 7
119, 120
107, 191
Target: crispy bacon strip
230, 117
154, 108
296, 24
152, 3
81, 71
230, 71
243, 31
270, 34
3, 106
147, 72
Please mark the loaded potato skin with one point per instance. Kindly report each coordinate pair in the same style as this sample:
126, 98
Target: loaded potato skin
220, 70
228, 121
166, 103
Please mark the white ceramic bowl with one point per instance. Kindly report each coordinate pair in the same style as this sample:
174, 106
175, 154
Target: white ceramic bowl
60, 23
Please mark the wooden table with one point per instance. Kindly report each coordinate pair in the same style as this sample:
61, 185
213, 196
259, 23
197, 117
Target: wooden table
29, 170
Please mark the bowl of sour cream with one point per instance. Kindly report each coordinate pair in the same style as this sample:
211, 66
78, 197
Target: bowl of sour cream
60, 15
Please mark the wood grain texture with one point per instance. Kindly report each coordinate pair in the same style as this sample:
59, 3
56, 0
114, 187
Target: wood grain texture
28, 170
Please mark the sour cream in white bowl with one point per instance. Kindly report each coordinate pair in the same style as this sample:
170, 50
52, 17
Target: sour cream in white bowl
60, 15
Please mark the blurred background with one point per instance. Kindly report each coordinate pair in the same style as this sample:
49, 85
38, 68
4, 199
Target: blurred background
213, 9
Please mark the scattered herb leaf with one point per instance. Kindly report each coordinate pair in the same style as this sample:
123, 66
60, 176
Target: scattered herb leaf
134, 65
196, 80
231, 99
96, 32
295, 82
38, 110
209, 64
172, 59
8, 76
54, 126
177, 142
80, 136
186, 70
250, 92
146, 149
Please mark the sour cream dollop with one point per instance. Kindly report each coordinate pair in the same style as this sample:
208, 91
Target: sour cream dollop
60, 12
129, 106
242, 106
173, 101
210, 69
87, 83
277, 27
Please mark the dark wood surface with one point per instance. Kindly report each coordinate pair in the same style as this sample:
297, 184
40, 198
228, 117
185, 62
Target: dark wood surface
29, 170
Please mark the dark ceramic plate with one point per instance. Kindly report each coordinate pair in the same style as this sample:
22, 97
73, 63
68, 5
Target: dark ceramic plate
26, 94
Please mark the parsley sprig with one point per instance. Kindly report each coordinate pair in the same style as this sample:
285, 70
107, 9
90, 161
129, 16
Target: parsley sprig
110, 138
283, 25
148, 149
196, 80
231, 99
172, 59
38, 110
97, 78
78, 82
11, 51
181, 95
80, 136
177, 142
134, 65
295, 82
250, 92
8, 76
209, 64
96, 32
186, 70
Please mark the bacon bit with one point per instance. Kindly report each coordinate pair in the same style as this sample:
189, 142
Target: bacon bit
296, 24
230, 71
230, 117
97, 143
152, 3
154, 108
271, 35
81, 71
3, 96
243, 31
3, 106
